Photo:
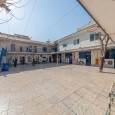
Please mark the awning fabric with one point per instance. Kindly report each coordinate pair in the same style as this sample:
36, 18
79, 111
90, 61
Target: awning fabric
103, 12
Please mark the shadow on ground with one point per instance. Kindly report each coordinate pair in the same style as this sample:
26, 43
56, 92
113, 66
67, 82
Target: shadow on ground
29, 67
108, 72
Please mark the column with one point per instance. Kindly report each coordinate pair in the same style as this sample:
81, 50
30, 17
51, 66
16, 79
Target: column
57, 59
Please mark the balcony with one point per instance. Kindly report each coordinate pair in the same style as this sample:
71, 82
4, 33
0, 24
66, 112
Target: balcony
28, 49
54, 50
16, 49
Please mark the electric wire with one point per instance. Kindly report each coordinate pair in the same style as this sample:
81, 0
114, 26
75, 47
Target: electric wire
30, 16
59, 19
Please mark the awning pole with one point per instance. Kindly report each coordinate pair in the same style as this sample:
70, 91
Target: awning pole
57, 59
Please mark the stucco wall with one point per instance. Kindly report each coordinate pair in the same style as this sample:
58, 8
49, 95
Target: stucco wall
84, 41
95, 56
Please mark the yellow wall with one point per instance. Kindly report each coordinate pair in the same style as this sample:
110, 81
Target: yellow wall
95, 57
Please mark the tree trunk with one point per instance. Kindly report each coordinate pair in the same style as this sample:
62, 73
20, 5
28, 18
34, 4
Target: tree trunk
104, 42
102, 64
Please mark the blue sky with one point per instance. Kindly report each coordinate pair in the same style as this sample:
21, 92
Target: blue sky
51, 19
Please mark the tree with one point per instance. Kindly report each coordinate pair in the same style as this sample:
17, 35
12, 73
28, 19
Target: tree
7, 6
104, 39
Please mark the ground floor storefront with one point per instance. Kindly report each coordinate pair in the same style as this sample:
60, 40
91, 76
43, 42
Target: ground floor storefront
85, 57
26, 58
89, 57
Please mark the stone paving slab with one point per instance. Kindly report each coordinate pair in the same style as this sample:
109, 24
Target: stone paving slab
48, 89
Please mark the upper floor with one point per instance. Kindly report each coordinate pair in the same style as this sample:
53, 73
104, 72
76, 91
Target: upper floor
81, 39
20, 43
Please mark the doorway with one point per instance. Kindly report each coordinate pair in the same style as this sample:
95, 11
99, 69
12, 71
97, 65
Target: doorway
22, 60
88, 58
69, 57
114, 60
49, 59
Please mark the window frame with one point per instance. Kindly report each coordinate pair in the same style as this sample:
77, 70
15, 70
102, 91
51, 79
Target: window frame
78, 41
13, 47
75, 41
92, 37
35, 48
44, 51
64, 44
21, 49
95, 36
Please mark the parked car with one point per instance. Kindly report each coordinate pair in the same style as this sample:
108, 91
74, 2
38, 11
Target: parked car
44, 60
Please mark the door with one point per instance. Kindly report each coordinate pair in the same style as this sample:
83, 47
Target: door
22, 60
88, 58
69, 56
114, 60
50, 59
70, 59
54, 57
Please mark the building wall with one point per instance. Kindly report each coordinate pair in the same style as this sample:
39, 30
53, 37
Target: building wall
7, 40
95, 57
84, 41
83, 35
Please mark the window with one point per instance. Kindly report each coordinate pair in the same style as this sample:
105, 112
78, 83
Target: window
27, 49
110, 63
35, 48
94, 36
37, 58
29, 59
109, 54
81, 55
44, 49
12, 47
30, 48
64, 44
76, 41
39, 50
21, 49
54, 49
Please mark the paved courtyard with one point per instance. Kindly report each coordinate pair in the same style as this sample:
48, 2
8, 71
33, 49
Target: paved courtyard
47, 89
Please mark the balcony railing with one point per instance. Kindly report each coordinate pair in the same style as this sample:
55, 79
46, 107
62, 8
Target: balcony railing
27, 49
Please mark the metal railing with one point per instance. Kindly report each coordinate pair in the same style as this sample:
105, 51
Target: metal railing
111, 108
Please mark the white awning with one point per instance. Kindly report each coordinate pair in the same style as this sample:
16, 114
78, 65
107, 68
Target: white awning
103, 12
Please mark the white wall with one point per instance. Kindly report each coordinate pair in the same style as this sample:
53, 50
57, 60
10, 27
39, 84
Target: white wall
84, 41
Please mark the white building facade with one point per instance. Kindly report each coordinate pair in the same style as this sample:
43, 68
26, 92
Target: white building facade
83, 47
25, 49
